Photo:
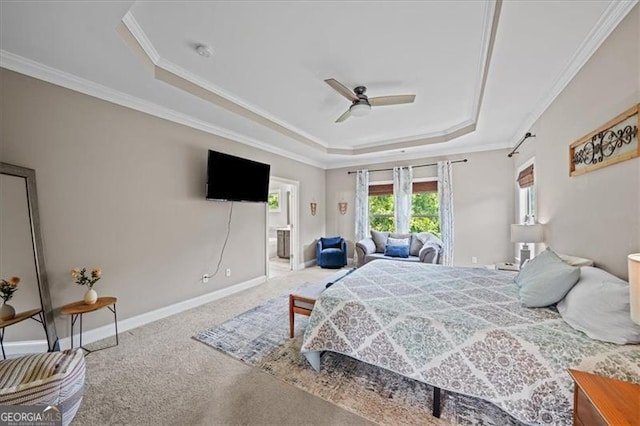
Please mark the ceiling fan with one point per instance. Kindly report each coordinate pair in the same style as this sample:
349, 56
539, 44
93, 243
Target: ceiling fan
360, 103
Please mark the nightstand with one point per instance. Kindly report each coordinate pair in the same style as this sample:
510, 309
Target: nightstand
599, 400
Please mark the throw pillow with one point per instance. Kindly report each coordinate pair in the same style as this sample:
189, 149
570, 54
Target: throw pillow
394, 235
396, 251
416, 244
331, 242
598, 305
380, 239
545, 280
398, 241
576, 261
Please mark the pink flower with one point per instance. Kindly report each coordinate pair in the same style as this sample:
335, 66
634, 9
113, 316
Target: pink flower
96, 272
13, 281
75, 272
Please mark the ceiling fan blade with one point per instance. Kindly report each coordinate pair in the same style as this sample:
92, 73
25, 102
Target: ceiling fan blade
340, 88
392, 100
344, 116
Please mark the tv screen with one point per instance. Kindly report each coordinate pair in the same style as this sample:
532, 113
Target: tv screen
232, 178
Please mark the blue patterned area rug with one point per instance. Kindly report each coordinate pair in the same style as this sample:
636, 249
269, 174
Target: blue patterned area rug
260, 337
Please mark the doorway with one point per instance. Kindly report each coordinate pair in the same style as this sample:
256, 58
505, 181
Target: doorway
282, 232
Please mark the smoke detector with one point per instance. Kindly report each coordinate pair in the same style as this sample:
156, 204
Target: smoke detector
203, 50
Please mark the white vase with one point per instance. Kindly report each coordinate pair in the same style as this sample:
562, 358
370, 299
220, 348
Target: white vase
7, 312
90, 297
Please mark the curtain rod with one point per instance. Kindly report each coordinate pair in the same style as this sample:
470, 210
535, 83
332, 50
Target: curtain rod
421, 165
515, 150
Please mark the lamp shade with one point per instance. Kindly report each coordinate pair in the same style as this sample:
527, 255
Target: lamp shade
634, 286
527, 233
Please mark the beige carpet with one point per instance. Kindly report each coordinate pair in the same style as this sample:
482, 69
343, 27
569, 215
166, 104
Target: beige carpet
159, 375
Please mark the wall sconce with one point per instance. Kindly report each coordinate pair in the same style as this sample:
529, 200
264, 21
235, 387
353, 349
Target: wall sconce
314, 208
342, 206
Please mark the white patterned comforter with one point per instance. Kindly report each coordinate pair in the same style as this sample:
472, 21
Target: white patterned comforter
463, 330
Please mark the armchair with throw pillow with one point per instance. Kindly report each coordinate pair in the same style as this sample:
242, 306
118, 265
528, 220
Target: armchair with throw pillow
331, 252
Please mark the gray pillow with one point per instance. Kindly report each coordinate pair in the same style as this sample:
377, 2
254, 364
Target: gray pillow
416, 244
545, 280
598, 305
398, 241
418, 240
575, 260
380, 239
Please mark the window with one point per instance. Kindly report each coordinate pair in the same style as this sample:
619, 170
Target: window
424, 208
527, 195
526, 207
274, 201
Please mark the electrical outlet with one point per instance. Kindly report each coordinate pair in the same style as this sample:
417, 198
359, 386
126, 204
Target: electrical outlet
474, 259
205, 278
228, 272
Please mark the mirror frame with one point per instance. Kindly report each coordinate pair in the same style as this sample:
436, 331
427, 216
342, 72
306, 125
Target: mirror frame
29, 176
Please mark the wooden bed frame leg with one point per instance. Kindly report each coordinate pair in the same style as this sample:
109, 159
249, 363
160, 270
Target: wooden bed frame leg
436, 402
291, 317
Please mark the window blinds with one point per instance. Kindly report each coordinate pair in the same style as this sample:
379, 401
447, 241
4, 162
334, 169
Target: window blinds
525, 178
387, 189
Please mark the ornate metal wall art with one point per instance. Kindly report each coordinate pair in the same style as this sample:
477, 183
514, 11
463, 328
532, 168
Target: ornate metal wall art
612, 143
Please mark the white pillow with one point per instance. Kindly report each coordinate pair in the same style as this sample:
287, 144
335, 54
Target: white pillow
598, 305
398, 241
545, 280
575, 260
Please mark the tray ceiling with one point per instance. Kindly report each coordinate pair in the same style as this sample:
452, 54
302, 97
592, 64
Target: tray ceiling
482, 72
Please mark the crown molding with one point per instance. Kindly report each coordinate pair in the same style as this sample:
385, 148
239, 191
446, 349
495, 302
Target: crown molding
490, 25
141, 37
433, 137
433, 151
608, 21
138, 33
61, 78
167, 71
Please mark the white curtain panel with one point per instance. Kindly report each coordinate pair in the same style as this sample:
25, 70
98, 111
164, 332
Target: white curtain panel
445, 198
402, 189
362, 204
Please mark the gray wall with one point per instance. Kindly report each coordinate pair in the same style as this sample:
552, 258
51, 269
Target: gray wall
124, 190
595, 215
483, 203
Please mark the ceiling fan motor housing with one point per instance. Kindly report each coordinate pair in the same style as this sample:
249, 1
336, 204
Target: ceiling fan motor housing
359, 91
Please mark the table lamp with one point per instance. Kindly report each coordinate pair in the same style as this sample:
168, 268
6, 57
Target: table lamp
634, 286
526, 234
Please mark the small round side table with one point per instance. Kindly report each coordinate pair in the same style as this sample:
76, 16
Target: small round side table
34, 314
78, 309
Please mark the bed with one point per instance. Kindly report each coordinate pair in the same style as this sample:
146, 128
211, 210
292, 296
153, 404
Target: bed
463, 330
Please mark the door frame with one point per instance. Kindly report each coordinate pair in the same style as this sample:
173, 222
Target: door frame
294, 211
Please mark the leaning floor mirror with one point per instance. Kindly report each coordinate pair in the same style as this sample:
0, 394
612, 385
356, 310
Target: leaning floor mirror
29, 314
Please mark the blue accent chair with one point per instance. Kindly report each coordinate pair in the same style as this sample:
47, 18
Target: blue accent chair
331, 252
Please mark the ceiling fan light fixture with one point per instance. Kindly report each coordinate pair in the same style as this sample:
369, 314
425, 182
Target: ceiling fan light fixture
360, 109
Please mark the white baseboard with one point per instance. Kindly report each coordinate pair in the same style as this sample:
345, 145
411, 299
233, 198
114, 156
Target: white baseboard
313, 262
14, 349
309, 263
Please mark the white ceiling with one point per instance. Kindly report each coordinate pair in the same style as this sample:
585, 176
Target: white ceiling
482, 72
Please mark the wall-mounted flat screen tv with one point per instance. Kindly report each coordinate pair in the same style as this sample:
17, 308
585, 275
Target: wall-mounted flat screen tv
231, 178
